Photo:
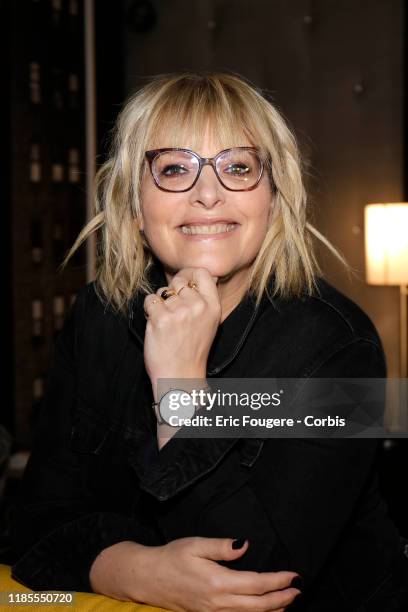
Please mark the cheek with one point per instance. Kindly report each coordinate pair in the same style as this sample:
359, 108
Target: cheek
258, 222
260, 212
153, 207
159, 216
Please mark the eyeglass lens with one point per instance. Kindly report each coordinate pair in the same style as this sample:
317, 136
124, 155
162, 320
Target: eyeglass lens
236, 169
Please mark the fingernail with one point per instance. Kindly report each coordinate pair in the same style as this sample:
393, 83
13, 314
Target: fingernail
297, 583
238, 543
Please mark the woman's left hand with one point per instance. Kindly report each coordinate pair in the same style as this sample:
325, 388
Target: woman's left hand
180, 330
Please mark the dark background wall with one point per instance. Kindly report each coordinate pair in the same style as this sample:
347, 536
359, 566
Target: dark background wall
43, 197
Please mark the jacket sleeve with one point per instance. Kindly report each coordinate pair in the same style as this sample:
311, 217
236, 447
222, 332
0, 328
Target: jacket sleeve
55, 533
314, 486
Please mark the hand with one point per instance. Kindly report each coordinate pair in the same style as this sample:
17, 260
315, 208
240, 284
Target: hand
181, 329
184, 576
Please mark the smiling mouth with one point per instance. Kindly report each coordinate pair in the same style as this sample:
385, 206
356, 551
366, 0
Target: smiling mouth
215, 228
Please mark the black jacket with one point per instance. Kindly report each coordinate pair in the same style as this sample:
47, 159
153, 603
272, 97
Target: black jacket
95, 476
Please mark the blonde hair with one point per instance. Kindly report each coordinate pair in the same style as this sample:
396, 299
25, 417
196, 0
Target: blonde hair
185, 103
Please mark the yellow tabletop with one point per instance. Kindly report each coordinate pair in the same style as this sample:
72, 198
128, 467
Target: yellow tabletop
83, 602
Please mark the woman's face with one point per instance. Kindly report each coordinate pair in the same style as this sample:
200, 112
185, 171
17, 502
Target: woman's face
224, 254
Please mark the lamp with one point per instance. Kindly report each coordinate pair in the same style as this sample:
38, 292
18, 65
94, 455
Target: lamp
386, 256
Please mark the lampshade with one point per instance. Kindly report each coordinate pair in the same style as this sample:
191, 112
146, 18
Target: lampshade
386, 243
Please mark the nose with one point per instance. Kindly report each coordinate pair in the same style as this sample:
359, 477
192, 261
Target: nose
207, 191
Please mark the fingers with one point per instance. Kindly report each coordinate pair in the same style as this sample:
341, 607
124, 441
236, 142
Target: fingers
257, 583
183, 294
153, 304
277, 601
216, 549
205, 291
206, 284
232, 590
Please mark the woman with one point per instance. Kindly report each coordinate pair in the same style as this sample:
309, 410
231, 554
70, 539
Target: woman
205, 271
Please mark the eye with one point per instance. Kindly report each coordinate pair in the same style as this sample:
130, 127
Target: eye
238, 169
173, 170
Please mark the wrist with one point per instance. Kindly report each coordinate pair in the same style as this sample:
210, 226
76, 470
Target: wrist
185, 405
107, 574
186, 382
126, 571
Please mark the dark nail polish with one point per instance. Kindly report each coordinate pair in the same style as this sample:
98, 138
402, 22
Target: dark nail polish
238, 543
297, 583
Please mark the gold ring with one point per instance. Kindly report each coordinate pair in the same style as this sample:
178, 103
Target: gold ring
167, 293
193, 285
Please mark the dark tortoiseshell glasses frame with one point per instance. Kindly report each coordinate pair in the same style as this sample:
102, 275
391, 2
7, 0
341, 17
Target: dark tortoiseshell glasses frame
202, 161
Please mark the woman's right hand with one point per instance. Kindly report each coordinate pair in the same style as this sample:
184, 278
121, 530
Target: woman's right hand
184, 576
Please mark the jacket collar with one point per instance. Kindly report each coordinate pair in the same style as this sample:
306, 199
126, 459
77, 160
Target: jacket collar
231, 333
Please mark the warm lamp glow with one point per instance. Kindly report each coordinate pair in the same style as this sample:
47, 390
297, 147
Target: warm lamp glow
386, 243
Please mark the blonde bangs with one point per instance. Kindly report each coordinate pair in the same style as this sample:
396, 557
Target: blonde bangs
190, 109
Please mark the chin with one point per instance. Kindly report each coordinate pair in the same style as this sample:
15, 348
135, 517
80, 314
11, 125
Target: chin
215, 268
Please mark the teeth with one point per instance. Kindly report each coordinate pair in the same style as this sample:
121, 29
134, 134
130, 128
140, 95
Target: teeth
215, 228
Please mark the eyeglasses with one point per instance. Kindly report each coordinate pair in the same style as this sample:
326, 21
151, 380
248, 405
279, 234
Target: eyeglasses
237, 169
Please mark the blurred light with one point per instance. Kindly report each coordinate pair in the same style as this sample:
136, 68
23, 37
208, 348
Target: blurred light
386, 243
